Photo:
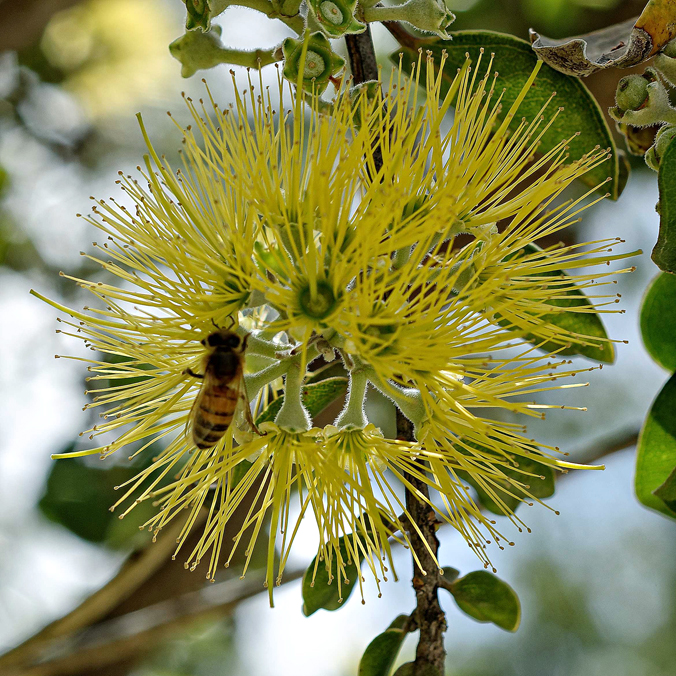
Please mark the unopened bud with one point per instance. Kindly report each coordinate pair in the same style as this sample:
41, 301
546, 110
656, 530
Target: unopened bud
632, 92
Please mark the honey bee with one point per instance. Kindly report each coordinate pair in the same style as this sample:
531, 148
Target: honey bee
222, 394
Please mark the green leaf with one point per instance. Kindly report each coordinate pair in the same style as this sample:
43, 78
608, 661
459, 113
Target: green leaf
664, 253
658, 320
656, 452
667, 491
515, 60
586, 324
380, 655
78, 495
409, 669
540, 486
487, 598
323, 592
316, 397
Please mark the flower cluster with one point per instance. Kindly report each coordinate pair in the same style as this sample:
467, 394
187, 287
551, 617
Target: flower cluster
334, 236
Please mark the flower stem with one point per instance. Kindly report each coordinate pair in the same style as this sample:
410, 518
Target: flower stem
429, 616
353, 415
293, 416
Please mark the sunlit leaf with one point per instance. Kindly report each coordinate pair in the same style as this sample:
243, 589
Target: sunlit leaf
656, 452
515, 60
658, 320
487, 598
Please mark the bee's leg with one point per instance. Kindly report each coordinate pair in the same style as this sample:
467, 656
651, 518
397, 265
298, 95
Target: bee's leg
249, 417
190, 372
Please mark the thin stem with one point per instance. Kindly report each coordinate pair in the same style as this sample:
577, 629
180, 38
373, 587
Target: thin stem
430, 618
293, 416
353, 414
254, 381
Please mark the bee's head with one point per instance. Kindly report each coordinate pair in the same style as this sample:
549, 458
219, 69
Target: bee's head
222, 338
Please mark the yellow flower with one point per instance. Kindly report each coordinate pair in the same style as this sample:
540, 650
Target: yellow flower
283, 226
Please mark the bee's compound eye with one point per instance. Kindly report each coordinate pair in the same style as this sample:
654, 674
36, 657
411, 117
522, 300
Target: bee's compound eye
233, 341
203, 341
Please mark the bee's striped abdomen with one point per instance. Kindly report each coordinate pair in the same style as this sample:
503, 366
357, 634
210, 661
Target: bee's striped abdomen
214, 411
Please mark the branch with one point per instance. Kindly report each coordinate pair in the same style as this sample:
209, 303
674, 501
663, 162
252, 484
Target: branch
134, 633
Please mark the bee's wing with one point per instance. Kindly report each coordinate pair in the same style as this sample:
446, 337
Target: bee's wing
243, 419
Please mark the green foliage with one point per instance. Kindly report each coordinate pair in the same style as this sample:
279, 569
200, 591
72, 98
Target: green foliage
539, 486
658, 320
316, 397
78, 495
587, 324
656, 453
323, 591
515, 60
667, 491
664, 253
487, 598
380, 655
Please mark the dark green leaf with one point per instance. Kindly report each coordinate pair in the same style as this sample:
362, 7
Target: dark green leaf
487, 598
656, 453
667, 491
323, 593
408, 669
316, 397
78, 495
515, 60
587, 324
658, 320
540, 486
664, 253
380, 655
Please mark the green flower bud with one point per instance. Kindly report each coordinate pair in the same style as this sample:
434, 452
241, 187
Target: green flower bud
335, 17
426, 15
197, 50
429, 15
654, 109
632, 92
319, 65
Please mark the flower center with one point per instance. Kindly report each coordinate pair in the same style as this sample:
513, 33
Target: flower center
314, 64
321, 304
331, 12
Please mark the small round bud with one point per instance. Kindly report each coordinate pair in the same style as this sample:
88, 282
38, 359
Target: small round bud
632, 92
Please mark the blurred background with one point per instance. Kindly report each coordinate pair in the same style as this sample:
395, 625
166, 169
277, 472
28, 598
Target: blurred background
597, 582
